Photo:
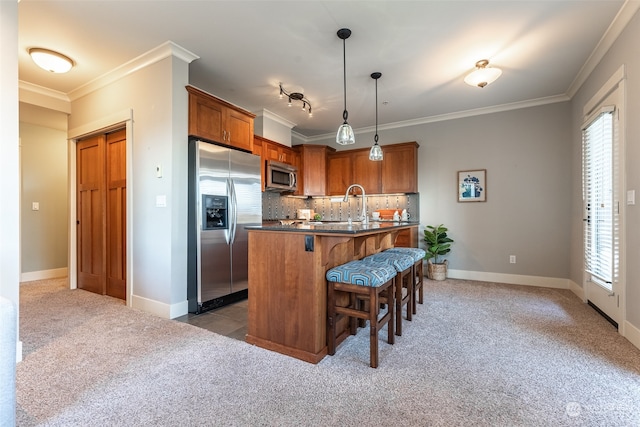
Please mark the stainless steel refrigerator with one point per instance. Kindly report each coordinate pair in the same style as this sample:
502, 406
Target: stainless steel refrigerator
224, 197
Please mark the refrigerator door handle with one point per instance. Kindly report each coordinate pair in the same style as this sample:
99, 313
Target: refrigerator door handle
234, 210
228, 231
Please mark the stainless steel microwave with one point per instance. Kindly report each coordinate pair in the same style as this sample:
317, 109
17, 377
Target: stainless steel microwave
281, 177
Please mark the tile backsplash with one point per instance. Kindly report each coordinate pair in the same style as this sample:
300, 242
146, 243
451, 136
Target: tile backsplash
276, 206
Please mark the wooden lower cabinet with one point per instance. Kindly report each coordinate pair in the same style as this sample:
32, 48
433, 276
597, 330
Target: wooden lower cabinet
407, 238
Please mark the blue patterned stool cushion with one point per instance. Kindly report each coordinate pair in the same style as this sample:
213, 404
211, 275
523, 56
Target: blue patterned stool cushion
398, 261
416, 253
361, 273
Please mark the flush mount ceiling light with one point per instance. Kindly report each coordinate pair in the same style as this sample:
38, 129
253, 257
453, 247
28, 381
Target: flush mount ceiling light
296, 96
376, 152
51, 61
345, 134
482, 75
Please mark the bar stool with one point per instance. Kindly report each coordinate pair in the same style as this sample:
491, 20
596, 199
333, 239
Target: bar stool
403, 265
418, 272
358, 278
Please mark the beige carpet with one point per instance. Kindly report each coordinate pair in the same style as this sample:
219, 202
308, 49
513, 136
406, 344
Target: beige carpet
476, 354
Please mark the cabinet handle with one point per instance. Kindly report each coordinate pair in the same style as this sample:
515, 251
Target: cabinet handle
229, 136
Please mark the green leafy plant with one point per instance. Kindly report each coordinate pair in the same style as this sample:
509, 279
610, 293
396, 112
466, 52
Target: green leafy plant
438, 243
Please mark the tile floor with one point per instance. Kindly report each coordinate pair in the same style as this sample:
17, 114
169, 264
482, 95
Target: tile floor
230, 320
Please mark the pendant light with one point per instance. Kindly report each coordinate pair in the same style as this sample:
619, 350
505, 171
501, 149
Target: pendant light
345, 134
376, 152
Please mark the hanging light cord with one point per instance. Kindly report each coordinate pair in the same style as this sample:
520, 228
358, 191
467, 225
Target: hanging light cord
345, 114
375, 138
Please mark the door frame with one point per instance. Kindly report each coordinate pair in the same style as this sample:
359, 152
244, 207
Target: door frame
115, 121
615, 83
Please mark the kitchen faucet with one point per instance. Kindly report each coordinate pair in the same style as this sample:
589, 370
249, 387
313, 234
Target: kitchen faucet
365, 220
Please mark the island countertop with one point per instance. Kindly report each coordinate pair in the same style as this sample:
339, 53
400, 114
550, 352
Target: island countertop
335, 227
287, 279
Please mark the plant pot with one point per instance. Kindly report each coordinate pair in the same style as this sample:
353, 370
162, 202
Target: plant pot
437, 271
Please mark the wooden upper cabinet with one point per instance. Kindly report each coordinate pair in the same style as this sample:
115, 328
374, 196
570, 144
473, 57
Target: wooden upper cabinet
339, 172
366, 172
312, 169
275, 151
400, 168
218, 121
396, 173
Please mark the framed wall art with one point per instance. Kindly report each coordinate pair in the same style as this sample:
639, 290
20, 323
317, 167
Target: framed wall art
472, 185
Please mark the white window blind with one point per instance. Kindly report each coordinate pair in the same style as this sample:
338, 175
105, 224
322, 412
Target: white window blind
600, 204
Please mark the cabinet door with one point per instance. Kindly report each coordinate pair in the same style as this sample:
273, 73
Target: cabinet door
240, 130
312, 170
339, 173
205, 118
400, 168
366, 173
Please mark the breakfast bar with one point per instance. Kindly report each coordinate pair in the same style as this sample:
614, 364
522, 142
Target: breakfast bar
287, 283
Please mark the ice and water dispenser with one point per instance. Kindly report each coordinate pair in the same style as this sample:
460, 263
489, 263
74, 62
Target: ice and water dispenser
214, 212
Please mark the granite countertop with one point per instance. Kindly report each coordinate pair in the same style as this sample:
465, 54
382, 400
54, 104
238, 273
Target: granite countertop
334, 227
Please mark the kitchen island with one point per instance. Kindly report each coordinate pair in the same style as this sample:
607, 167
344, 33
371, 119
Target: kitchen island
287, 284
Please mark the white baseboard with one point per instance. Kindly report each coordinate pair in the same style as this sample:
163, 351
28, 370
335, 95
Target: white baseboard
514, 279
44, 274
632, 334
160, 309
19, 351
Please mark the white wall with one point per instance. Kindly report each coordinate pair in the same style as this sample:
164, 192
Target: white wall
44, 233
9, 158
623, 52
157, 98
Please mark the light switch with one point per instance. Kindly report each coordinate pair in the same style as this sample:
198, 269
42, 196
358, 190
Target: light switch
631, 197
161, 201
35, 206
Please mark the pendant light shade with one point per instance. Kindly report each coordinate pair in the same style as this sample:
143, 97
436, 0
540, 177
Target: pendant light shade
375, 153
345, 134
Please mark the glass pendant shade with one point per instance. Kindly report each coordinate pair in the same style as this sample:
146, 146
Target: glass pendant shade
375, 153
345, 135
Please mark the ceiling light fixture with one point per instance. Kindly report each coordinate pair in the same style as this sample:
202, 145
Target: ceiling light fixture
482, 75
51, 61
296, 96
345, 134
375, 153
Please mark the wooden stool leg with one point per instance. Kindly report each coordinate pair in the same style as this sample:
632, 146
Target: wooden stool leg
331, 320
391, 337
374, 309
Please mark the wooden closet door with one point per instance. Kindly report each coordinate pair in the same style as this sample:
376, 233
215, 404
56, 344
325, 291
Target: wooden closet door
91, 214
116, 185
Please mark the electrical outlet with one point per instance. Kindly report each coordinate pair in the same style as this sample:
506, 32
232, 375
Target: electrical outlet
512, 259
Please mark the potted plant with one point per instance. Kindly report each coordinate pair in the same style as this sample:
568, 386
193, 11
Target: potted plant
438, 244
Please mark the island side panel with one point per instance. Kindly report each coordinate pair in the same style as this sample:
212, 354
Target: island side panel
287, 295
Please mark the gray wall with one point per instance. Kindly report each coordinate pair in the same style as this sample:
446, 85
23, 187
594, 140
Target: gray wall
527, 155
624, 51
43, 166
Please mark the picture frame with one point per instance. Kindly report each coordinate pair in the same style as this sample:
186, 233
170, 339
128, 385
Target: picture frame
472, 185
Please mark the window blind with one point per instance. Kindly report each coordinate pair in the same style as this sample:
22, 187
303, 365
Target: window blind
599, 190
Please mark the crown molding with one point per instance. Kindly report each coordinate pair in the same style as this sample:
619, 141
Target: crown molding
165, 50
619, 23
276, 118
449, 116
